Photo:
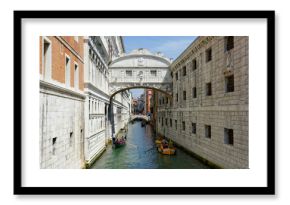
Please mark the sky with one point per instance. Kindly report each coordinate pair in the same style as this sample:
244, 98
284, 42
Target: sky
170, 46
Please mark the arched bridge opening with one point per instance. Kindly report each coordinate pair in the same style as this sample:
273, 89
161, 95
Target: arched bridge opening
133, 117
167, 93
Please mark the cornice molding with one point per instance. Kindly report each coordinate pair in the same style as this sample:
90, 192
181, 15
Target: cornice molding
192, 49
65, 92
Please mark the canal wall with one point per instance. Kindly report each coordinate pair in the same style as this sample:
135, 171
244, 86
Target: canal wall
61, 128
195, 155
103, 148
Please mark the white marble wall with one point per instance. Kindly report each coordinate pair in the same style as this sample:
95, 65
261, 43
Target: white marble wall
61, 130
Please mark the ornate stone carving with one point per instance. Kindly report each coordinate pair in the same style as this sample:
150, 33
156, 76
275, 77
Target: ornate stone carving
140, 61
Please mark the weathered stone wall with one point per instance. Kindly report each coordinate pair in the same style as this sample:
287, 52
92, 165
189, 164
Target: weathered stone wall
61, 129
220, 110
61, 106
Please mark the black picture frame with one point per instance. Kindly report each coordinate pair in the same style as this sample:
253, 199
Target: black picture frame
268, 190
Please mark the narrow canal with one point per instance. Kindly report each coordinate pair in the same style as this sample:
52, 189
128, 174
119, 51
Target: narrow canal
140, 153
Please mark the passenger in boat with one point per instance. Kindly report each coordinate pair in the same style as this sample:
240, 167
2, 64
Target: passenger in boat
164, 143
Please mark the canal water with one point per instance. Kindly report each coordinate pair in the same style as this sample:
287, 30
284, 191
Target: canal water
140, 153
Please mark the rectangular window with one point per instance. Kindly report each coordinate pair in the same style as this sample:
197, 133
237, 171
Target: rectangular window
70, 139
208, 55
176, 97
129, 73
176, 124
183, 126
166, 121
176, 75
162, 121
54, 146
208, 89
153, 73
76, 77
207, 131
194, 64
184, 95
229, 84
170, 121
229, 136
184, 71
194, 92
67, 71
229, 43
46, 59
193, 128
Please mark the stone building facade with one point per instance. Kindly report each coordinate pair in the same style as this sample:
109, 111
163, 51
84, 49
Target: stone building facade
208, 114
75, 97
61, 102
99, 52
149, 107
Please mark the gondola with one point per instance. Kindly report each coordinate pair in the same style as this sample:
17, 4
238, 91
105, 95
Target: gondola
166, 150
119, 143
143, 124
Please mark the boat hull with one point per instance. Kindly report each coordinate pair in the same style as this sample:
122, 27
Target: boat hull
167, 151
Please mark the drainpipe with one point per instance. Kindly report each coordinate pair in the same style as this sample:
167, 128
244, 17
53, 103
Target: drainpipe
111, 118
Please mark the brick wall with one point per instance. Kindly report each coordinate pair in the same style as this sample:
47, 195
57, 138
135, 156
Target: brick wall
59, 49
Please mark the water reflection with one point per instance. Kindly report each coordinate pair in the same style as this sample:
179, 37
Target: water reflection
140, 153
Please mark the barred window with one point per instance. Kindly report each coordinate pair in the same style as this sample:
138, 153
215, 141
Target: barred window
153, 73
228, 136
208, 89
229, 84
207, 131
128, 73
208, 55
183, 125
229, 43
194, 64
193, 128
194, 92
184, 70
